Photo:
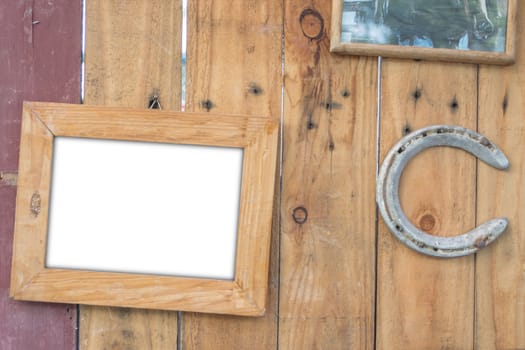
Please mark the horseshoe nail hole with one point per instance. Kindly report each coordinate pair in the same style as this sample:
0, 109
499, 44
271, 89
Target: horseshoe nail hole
481, 242
401, 150
424, 134
440, 131
399, 228
484, 142
435, 249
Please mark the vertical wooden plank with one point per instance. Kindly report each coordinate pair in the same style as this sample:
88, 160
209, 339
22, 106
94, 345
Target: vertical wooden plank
133, 51
328, 212
424, 302
40, 55
234, 57
500, 268
234, 66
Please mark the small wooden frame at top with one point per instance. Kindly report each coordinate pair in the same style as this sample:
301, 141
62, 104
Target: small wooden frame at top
505, 57
244, 295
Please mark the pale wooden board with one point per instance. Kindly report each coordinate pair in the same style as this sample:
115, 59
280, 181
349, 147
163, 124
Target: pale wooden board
234, 57
327, 258
424, 302
133, 51
234, 66
500, 277
117, 328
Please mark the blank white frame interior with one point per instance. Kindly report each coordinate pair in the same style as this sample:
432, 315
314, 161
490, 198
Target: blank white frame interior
165, 208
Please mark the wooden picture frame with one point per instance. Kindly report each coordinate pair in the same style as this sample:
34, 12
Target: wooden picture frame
373, 28
244, 295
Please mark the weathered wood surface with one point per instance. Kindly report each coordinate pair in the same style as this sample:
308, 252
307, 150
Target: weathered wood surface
500, 270
133, 52
234, 66
40, 55
423, 302
328, 210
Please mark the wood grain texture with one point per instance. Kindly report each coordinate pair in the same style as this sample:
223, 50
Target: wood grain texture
32, 213
328, 210
39, 61
234, 57
500, 271
234, 66
152, 125
424, 302
132, 52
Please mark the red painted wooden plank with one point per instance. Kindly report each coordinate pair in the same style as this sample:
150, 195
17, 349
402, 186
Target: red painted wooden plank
39, 61
40, 45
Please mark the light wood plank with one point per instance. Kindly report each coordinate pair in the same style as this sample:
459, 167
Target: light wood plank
234, 57
148, 125
234, 66
328, 211
500, 277
133, 51
424, 302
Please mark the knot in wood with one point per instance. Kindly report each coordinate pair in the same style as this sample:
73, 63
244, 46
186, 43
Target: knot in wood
36, 204
312, 24
427, 222
300, 215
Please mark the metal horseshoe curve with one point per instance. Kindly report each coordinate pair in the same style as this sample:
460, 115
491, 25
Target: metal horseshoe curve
387, 194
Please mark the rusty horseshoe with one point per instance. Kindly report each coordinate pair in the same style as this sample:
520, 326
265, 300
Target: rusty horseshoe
387, 193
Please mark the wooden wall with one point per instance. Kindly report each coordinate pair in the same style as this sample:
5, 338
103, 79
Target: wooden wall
39, 60
338, 279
